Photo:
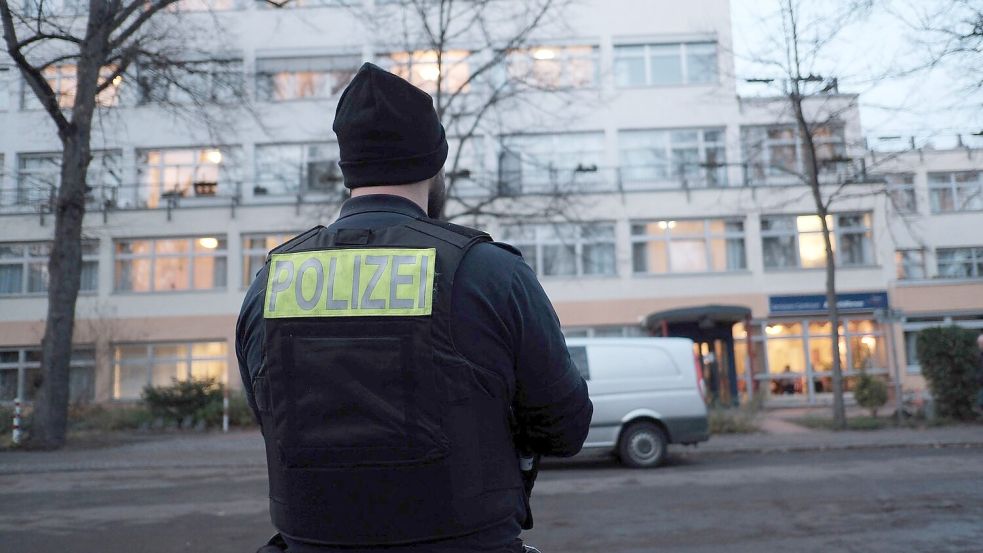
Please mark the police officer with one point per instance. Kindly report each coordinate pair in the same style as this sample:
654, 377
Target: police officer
399, 365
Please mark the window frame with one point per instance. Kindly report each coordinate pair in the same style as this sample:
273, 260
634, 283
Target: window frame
965, 196
190, 256
266, 87
836, 237
902, 261
706, 237
90, 258
541, 239
707, 175
647, 55
249, 252
756, 152
150, 360
563, 55
974, 261
152, 193
534, 169
901, 191
265, 170
80, 360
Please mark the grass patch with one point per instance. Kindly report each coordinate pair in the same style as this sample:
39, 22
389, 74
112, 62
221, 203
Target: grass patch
734, 420
865, 422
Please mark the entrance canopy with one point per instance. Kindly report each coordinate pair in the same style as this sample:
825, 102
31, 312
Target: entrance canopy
705, 316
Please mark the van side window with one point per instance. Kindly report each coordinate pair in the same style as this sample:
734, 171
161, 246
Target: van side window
579, 356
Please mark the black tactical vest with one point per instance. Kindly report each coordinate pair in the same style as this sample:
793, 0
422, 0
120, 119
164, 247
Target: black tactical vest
377, 430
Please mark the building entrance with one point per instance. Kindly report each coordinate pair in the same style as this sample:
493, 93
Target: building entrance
710, 328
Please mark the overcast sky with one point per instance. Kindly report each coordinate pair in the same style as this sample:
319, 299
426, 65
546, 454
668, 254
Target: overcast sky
930, 104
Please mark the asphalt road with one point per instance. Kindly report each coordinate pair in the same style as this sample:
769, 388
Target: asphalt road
886, 500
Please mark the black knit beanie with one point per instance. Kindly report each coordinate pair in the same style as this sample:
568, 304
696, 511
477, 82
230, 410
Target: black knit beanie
388, 131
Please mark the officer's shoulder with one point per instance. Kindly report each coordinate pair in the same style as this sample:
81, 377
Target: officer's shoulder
296, 240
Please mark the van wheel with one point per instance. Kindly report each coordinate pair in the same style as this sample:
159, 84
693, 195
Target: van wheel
642, 445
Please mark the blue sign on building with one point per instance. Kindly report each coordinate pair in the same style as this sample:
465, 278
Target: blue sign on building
816, 303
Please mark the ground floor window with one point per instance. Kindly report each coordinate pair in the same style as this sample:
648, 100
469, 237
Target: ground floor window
791, 358
160, 364
912, 326
20, 373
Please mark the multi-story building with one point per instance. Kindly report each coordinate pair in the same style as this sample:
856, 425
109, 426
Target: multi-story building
688, 217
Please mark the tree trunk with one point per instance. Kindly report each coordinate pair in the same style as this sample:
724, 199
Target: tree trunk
812, 174
64, 271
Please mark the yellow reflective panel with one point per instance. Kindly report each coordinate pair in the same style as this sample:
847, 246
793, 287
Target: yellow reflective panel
351, 283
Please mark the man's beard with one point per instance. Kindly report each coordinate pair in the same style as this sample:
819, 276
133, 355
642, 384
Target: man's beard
437, 196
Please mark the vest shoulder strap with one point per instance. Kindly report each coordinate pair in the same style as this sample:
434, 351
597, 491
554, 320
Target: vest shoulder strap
295, 241
456, 235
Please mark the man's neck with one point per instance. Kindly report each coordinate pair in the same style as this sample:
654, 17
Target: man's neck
416, 193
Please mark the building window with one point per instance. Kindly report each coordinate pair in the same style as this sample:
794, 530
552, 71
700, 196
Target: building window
665, 64
24, 267
171, 264
20, 374
39, 175
693, 246
960, 262
672, 158
187, 172
901, 190
294, 168
192, 82
255, 247
7, 75
204, 5
423, 69
791, 241
774, 155
137, 366
959, 191
63, 80
613, 331
909, 264
566, 249
280, 79
551, 162
555, 67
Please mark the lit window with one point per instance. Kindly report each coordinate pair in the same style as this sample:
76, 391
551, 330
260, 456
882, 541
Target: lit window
171, 265
960, 262
24, 267
555, 67
566, 249
423, 69
63, 81
137, 366
797, 241
665, 64
672, 158
187, 172
293, 168
773, 155
279, 79
255, 248
909, 264
20, 374
688, 246
551, 162
959, 191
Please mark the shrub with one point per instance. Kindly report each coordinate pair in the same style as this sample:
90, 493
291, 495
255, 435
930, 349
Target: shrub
185, 402
949, 357
109, 418
870, 393
239, 412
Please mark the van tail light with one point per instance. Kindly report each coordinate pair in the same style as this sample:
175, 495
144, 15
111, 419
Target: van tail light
700, 384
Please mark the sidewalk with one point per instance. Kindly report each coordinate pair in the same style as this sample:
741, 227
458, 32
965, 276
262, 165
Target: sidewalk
243, 449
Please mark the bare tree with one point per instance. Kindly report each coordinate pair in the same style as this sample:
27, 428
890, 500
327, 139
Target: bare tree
103, 43
945, 32
483, 61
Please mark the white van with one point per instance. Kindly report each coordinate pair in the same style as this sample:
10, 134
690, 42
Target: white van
647, 393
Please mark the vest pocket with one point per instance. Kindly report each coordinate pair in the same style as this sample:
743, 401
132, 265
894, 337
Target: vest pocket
356, 401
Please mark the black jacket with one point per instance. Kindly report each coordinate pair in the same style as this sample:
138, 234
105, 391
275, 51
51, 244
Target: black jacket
503, 322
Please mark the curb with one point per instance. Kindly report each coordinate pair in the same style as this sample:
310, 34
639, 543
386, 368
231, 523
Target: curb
828, 447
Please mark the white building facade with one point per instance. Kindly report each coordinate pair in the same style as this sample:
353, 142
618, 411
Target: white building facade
688, 217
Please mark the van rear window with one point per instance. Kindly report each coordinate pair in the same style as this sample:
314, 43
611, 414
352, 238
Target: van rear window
578, 354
